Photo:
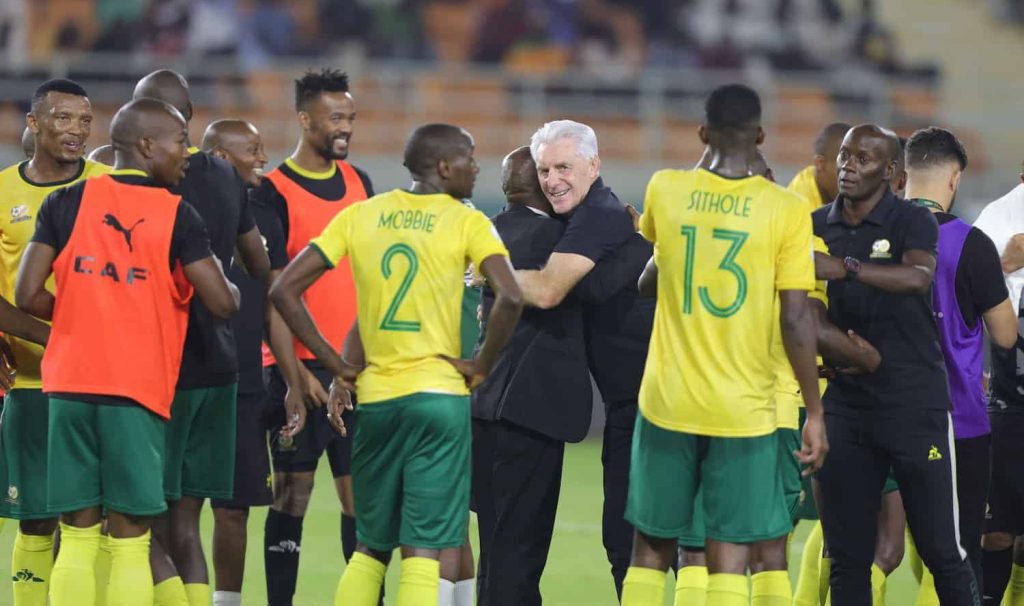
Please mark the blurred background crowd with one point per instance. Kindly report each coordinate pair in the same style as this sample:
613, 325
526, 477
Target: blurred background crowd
635, 69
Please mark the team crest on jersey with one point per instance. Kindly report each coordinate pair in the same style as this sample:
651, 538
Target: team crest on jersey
880, 249
20, 213
12, 494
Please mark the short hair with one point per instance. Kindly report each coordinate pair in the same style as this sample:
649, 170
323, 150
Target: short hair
732, 107
932, 146
431, 143
56, 85
584, 137
830, 136
313, 83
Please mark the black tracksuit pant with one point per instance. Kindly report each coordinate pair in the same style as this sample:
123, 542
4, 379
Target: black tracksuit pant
918, 445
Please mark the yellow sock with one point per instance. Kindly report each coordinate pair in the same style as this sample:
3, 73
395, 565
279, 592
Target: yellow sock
824, 570
926, 595
1016, 586
131, 580
102, 568
916, 565
198, 594
643, 587
74, 575
771, 588
170, 592
418, 582
360, 584
806, 591
691, 586
31, 566
728, 590
878, 586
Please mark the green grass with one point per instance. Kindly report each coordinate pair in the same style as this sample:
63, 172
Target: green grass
577, 572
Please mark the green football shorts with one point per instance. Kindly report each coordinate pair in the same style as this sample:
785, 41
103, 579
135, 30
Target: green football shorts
411, 471
105, 454
737, 479
24, 427
200, 460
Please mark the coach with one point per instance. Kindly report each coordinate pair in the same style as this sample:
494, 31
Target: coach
880, 268
617, 328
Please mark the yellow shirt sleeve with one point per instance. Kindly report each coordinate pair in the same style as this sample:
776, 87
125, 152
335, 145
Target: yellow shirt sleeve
482, 240
794, 261
332, 243
647, 219
820, 286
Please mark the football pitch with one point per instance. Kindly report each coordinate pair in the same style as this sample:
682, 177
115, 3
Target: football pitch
577, 572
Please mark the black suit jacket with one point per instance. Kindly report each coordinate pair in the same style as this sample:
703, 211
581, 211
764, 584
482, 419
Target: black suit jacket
541, 380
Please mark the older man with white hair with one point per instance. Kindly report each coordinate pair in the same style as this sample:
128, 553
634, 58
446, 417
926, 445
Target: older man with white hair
599, 229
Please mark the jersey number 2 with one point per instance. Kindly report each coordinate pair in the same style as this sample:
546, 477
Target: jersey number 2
389, 322
728, 263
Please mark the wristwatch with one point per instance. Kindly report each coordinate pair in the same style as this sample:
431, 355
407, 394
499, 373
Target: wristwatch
852, 266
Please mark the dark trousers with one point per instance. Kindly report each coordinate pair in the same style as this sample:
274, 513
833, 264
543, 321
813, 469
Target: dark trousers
917, 445
973, 466
516, 528
616, 532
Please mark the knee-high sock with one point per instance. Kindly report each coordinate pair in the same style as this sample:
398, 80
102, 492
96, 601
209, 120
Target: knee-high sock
170, 592
102, 568
878, 579
643, 587
131, 580
926, 595
996, 566
74, 574
282, 542
824, 570
728, 590
227, 598
361, 582
465, 592
806, 591
198, 594
418, 581
31, 567
771, 588
1016, 591
692, 586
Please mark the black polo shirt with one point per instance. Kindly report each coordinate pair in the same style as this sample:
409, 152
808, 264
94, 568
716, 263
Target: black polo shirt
617, 330
216, 191
912, 373
248, 323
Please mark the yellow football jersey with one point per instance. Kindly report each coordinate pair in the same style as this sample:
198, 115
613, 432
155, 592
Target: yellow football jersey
723, 248
804, 185
20, 200
788, 399
409, 254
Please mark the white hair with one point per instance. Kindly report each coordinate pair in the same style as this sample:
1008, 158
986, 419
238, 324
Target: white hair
581, 134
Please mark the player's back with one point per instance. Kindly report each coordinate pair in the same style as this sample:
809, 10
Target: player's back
723, 248
408, 254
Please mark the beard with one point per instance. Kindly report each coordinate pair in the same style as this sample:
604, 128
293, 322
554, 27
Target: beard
326, 149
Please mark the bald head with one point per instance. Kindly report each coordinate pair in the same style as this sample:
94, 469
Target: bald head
867, 161
28, 143
519, 181
151, 136
238, 142
167, 86
222, 133
103, 154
